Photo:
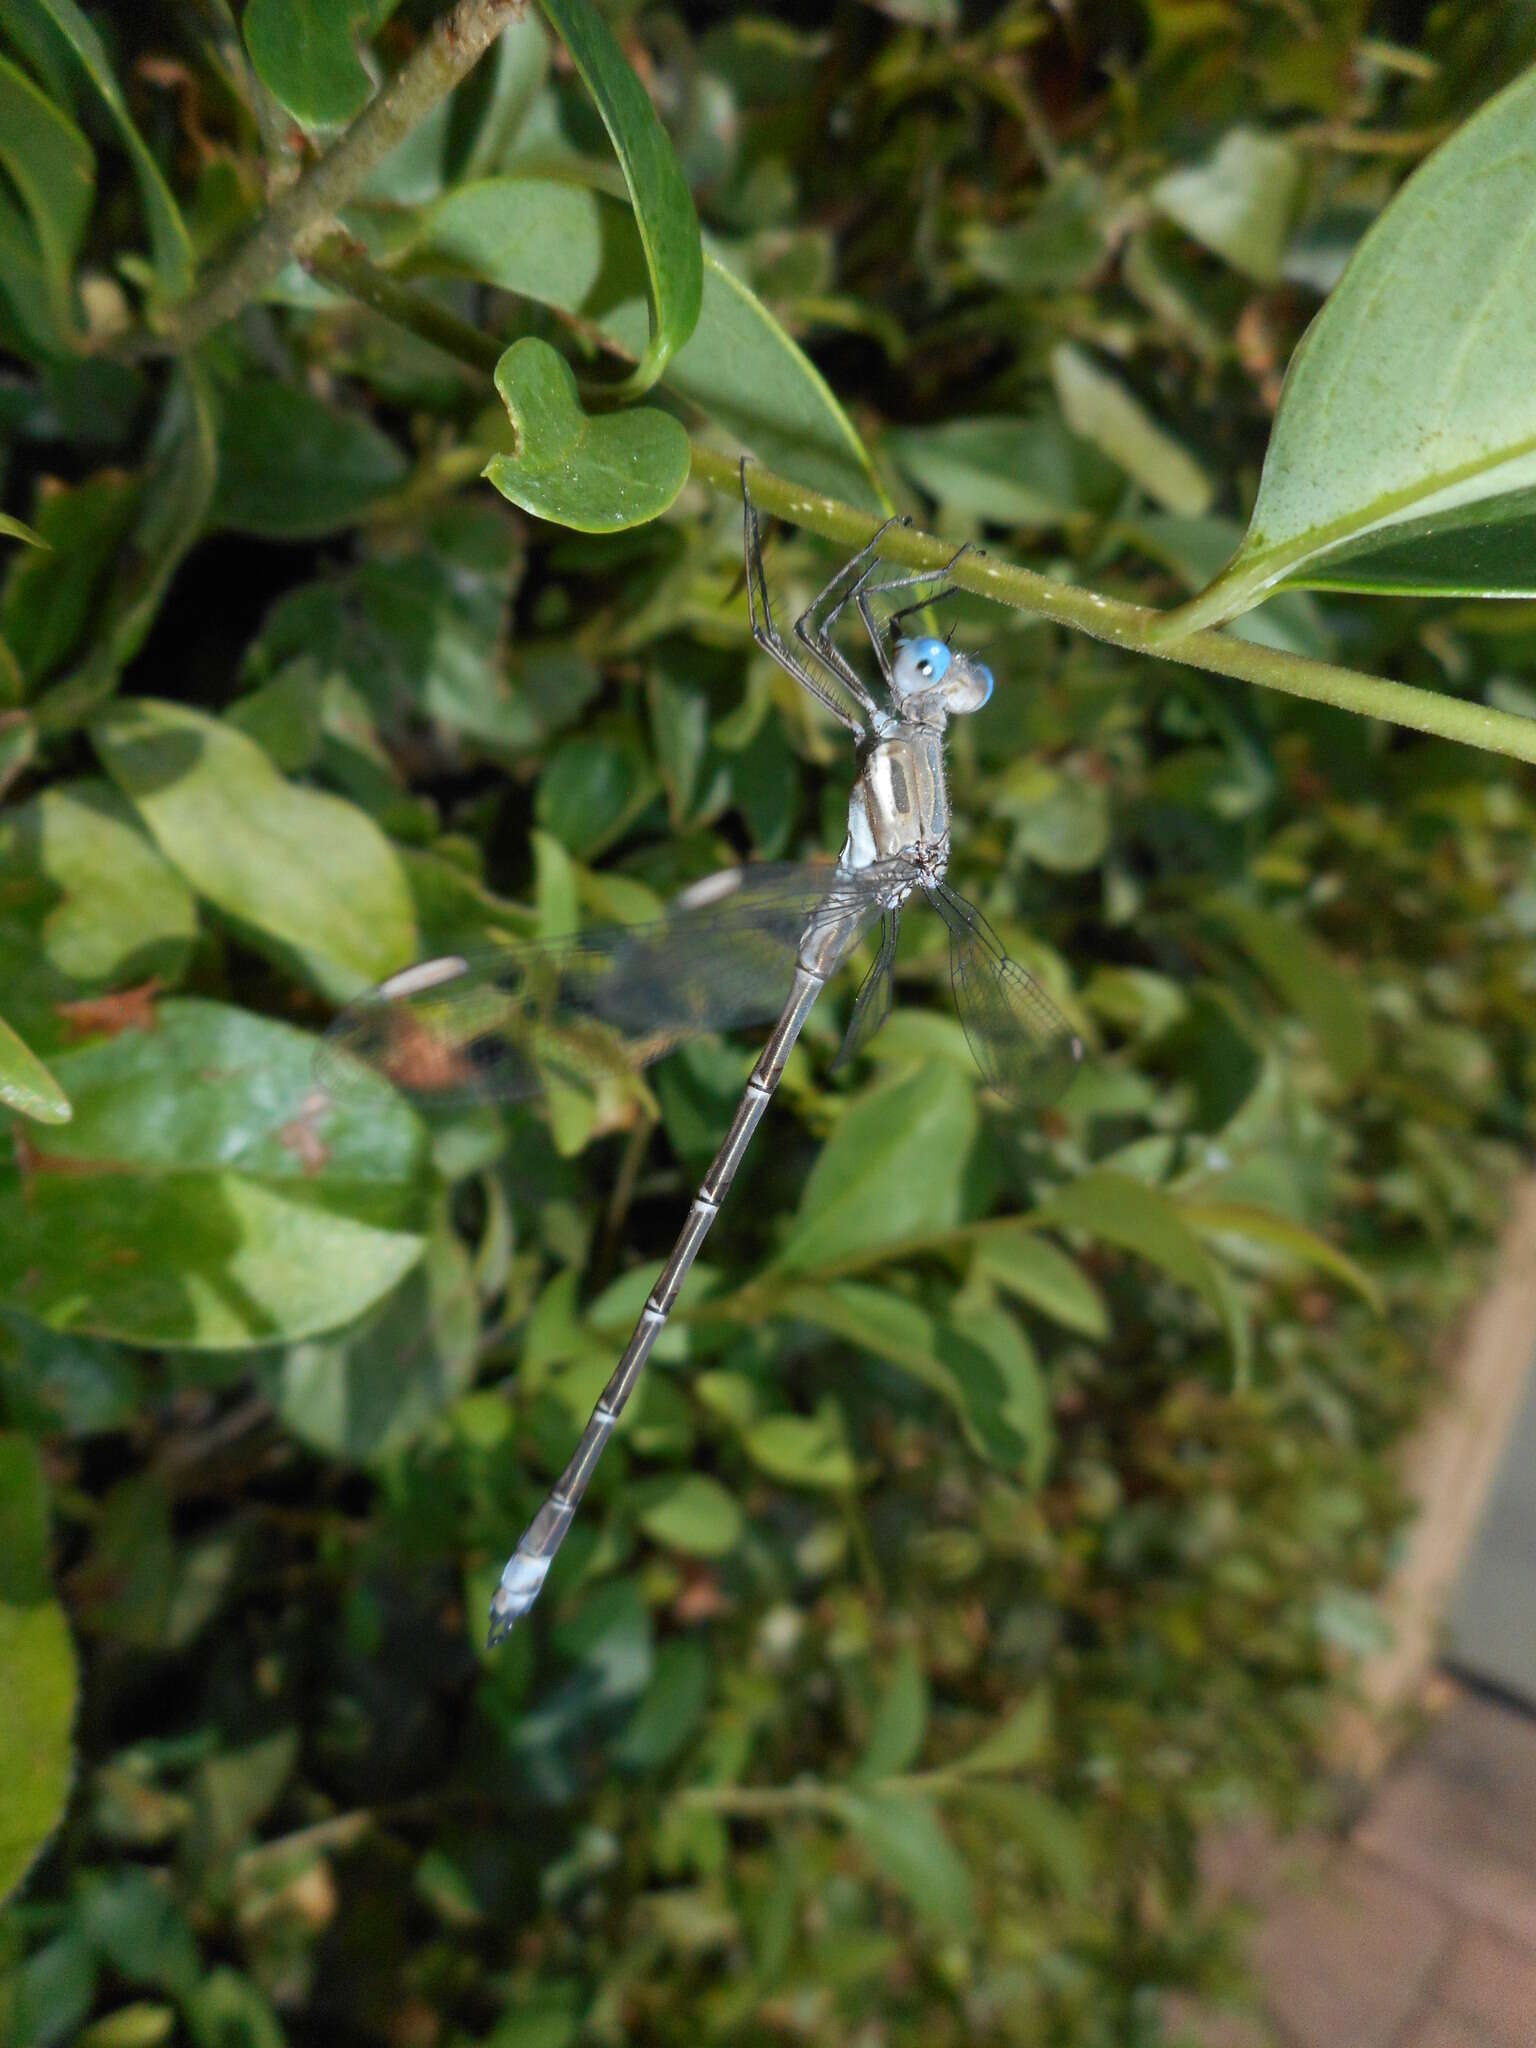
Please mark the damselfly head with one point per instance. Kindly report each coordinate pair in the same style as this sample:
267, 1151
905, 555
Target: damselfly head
930, 670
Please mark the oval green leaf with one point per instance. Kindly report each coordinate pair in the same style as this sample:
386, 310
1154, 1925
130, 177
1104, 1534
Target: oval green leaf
692, 1513
893, 1169
205, 1195
598, 474
1305, 975
38, 1677
378, 1386
905, 1841
669, 227
305, 53
26, 1084
1104, 411
1404, 452
89, 905
1143, 1219
293, 468
304, 867
803, 1450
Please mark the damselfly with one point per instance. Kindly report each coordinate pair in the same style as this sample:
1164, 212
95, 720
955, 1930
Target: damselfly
724, 954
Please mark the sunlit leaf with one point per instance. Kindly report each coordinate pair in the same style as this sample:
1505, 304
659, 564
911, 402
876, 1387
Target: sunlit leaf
1240, 202
893, 1169
691, 1512
296, 863
26, 1085
38, 1681
202, 1196
1103, 410
1143, 1219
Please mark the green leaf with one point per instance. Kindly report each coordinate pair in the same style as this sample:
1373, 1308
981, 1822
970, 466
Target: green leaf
905, 1841
1014, 470
134, 1922
691, 1512
1143, 1219
893, 1169
1291, 1240
17, 529
570, 247
803, 1450
303, 867
50, 596
292, 467
1057, 245
1101, 409
172, 245
359, 1395
1240, 202
26, 1084
227, 2011
88, 905
1045, 1829
204, 1196
53, 168
142, 2023
174, 504
1305, 975
671, 1710
899, 1723
1194, 549
38, 1680
985, 1370
1021, 1740
306, 55
1412, 398
598, 473
664, 215
1037, 1272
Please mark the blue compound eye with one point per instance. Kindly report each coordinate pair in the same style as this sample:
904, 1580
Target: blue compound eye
983, 674
930, 659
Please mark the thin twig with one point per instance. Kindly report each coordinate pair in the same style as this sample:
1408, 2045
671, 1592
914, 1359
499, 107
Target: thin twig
299, 217
1134, 628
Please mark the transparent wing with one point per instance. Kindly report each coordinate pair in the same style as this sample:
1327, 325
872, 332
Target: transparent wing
873, 1004
1022, 1043
502, 1025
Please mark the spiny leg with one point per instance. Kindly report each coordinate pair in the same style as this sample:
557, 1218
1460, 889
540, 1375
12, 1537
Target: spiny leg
866, 588
817, 637
766, 634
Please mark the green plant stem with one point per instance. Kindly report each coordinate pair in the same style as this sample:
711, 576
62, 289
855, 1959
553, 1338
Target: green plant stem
1132, 627
306, 210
